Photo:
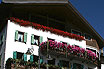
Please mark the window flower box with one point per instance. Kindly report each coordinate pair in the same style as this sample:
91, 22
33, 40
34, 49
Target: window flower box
44, 28
68, 50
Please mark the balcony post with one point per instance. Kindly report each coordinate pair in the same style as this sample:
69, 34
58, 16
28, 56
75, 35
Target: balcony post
47, 53
39, 57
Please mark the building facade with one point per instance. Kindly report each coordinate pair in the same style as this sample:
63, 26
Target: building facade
50, 35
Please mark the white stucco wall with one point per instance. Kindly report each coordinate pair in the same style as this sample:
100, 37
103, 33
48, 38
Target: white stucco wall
11, 45
102, 66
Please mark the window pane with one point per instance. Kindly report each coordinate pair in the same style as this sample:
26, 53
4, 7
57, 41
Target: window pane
34, 40
20, 37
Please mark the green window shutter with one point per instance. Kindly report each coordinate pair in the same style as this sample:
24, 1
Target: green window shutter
41, 61
60, 63
82, 66
74, 66
71, 66
41, 39
16, 35
31, 58
32, 39
25, 57
25, 37
15, 55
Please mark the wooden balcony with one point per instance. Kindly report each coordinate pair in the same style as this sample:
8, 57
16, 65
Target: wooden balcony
92, 43
60, 50
72, 56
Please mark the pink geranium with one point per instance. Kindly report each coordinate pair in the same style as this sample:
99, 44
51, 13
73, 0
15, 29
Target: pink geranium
70, 49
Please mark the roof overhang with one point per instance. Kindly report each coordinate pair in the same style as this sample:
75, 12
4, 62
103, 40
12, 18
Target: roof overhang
63, 10
99, 39
35, 1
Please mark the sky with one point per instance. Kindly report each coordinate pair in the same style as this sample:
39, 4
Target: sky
93, 12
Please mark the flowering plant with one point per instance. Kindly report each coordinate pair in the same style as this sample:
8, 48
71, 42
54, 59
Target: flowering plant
91, 55
44, 28
72, 49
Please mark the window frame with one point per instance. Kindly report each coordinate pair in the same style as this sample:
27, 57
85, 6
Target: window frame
34, 39
24, 38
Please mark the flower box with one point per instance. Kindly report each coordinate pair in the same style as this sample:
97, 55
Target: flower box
68, 50
44, 28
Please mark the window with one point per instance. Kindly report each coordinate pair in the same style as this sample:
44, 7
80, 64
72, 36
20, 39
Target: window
63, 63
17, 55
78, 66
20, 36
35, 40
34, 58
23, 56
76, 32
52, 62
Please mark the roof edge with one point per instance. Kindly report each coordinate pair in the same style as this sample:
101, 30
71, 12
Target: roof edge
86, 22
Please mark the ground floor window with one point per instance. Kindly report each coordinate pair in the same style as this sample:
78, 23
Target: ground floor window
19, 55
51, 62
63, 63
25, 57
78, 66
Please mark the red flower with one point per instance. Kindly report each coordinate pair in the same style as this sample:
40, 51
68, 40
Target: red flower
44, 28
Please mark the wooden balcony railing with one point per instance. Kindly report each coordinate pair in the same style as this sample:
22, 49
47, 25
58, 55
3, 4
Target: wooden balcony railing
92, 43
62, 50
